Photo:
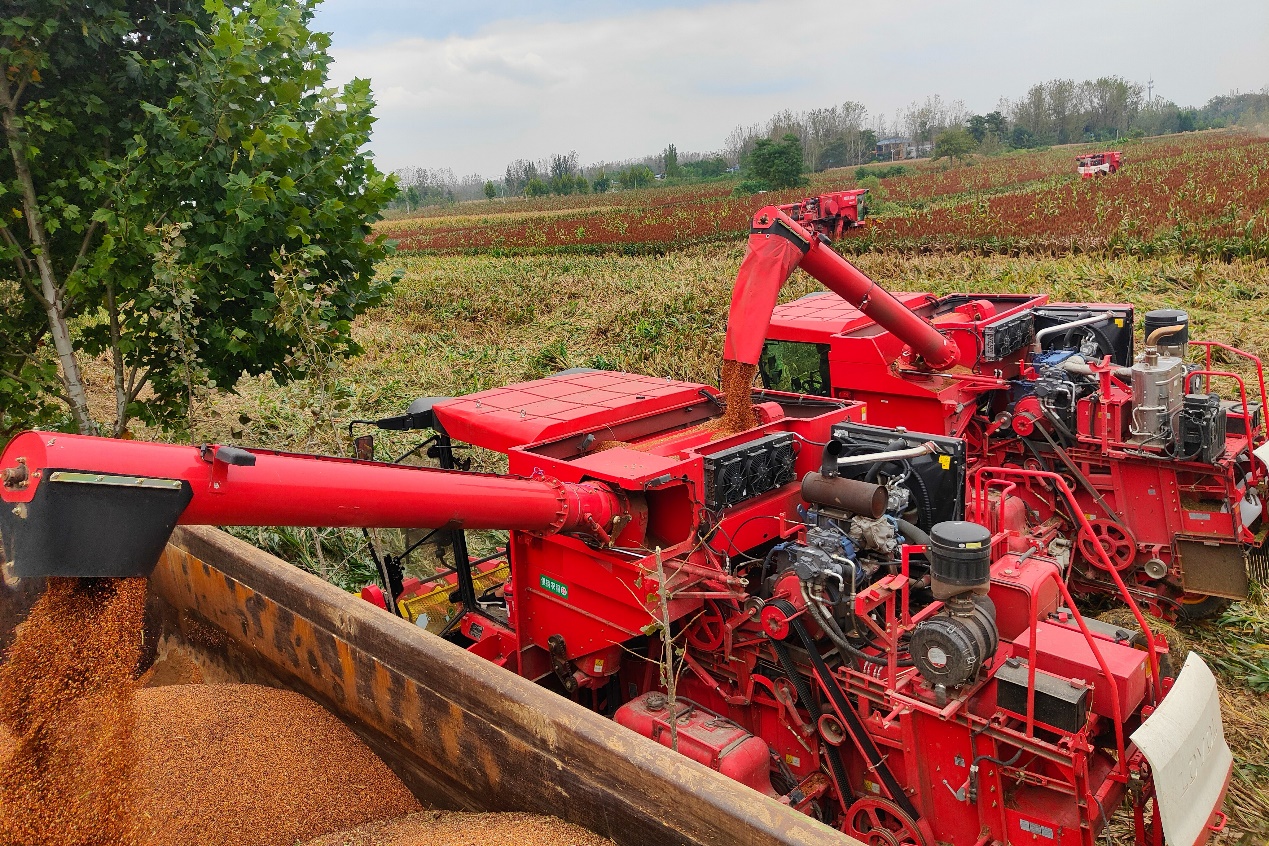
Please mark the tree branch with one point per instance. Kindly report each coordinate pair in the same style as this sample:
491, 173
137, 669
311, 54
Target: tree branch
83, 247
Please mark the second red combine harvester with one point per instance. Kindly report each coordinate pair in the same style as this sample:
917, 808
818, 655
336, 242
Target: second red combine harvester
1091, 165
1168, 476
843, 640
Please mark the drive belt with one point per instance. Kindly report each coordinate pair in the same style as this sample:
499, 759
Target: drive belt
804, 695
854, 725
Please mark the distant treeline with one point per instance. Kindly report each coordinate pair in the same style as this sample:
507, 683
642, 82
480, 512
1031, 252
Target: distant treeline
1060, 111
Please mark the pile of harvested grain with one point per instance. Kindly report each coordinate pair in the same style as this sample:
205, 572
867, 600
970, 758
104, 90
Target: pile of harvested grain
254, 765
66, 699
452, 828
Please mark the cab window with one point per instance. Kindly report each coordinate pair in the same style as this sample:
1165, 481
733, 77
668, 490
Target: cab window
795, 366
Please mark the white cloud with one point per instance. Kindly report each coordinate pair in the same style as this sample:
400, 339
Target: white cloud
625, 86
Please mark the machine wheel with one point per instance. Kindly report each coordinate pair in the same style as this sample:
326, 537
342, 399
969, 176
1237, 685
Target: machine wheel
1197, 606
1112, 537
880, 822
706, 631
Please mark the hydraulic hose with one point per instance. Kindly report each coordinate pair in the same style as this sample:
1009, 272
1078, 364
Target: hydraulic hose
914, 534
835, 634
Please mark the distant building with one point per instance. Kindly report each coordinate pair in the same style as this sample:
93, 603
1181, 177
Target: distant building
898, 148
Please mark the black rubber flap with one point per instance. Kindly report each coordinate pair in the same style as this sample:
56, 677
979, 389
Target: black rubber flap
87, 525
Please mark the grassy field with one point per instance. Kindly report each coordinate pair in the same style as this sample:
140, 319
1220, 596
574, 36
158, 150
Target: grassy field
469, 317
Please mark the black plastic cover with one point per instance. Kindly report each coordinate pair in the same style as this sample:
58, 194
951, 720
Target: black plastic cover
960, 553
942, 477
1058, 702
1116, 333
83, 525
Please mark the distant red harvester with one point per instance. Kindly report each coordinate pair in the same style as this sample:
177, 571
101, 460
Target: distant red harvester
1099, 164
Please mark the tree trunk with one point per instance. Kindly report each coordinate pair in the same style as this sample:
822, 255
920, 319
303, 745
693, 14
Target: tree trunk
51, 290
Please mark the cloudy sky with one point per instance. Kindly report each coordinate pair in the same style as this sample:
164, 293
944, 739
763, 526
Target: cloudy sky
473, 85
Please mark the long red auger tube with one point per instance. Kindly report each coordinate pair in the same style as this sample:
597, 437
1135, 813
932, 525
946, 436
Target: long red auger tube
778, 245
286, 489
85, 506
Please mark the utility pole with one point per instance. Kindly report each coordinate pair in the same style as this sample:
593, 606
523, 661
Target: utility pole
1150, 90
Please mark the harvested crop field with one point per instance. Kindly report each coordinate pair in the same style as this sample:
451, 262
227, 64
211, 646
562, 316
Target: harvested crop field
1200, 194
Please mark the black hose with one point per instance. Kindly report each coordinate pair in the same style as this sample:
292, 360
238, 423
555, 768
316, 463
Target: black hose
1103, 340
914, 534
925, 504
835, 634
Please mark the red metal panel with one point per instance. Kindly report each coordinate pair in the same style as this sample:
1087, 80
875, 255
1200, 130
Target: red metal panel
1063, 651
502, 418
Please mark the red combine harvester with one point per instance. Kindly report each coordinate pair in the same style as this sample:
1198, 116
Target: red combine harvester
1099, 164
842, 639
1169, 476
832, 213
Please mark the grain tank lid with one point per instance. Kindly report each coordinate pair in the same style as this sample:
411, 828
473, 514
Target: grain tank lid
818, 316
544, 409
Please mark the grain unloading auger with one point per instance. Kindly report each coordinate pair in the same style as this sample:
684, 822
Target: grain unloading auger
906, 685
79, 506
1171, 477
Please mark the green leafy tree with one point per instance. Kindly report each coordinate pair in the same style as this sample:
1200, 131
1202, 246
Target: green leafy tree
580, 185
671, 162
166, 163
563, 183
491, 190
536, 188
638, 176
954, 144
601, 183
778, 164
710, 168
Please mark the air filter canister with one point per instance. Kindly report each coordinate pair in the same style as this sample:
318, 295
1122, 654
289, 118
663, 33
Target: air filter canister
960, 558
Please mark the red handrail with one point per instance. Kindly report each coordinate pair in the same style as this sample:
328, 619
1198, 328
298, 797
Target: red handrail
1260, 370
980, 480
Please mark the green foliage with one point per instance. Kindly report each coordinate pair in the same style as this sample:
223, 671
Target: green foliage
671, 159
639, 176
1022, 138
536, 188
491, 190
954, 144
602, 183
747, 187
778, 164
992, 123
883, 172
183, 154
562, 184
710, 168
873, 183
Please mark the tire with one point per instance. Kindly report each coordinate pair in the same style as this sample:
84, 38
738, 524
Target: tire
1197, 607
